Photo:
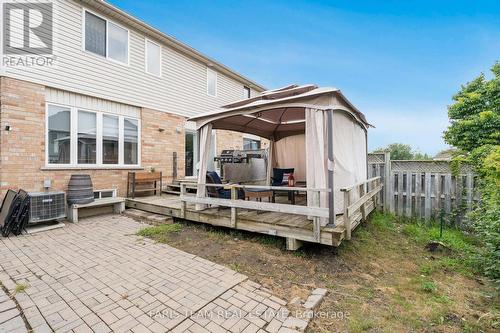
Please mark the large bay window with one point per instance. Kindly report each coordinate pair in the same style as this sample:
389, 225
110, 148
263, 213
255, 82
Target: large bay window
105, 38
85, 138
59, 135
110, 139
131, 141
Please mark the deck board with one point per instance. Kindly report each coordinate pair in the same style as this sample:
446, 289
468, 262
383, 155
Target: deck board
279, 224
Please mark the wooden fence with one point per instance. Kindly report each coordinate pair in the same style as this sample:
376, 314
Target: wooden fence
423, 189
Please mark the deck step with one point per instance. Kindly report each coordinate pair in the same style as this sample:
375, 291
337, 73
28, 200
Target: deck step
150, 218
171, 192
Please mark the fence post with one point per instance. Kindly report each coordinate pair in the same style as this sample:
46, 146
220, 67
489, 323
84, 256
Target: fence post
428, 199
317, 220
387, 182
437, 195
362, 191
470, 190
447, 193
400, 194
183, 203
418, 195
347, 219
409, 192
234, 212
174, 166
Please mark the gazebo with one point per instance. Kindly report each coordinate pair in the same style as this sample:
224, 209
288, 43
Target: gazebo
316, 128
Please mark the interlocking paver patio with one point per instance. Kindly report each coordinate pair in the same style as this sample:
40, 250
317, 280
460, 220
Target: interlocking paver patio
98, 276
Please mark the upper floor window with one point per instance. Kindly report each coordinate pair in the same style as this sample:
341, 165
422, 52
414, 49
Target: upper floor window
106, 38
82, 138
246, 92
153, 58
211, 82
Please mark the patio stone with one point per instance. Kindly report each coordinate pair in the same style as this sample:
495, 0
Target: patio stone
98, 276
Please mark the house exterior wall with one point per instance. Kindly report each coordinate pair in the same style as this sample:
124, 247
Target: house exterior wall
234, 140
22, 149
82, 79
228, 140
181, 89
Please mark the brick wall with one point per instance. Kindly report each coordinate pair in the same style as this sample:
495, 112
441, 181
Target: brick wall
162, 135
233, 140
228, 140
22, 150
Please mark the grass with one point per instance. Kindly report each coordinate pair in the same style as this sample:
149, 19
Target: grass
160, 230
20, 287
464, 247
360, 324
384, 278
428, 287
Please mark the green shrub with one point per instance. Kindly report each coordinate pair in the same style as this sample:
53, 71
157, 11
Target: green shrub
486, 217
428, 287
475, 130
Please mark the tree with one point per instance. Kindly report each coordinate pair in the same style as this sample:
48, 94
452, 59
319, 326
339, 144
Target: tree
475, 130
475, 114
401, 151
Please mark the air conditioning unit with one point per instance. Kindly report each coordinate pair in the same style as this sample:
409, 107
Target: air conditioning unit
47, 206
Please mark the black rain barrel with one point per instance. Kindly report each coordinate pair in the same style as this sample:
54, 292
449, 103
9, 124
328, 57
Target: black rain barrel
80, 190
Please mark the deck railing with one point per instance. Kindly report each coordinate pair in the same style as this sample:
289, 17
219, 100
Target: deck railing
315, 212
359, 200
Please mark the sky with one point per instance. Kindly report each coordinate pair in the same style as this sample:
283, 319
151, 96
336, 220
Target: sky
399, 62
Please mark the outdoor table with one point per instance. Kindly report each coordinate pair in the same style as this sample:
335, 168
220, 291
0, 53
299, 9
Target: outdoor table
291, 194
258, 194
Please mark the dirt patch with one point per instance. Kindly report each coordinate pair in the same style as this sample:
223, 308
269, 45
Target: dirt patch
377, 282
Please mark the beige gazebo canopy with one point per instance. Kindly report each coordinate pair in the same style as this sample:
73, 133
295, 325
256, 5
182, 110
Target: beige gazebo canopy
333, 133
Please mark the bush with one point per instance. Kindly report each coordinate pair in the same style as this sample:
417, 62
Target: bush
475, 130
486, 216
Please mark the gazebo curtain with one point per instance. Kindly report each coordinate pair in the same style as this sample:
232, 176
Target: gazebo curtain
290, 152
317, 153
205, 135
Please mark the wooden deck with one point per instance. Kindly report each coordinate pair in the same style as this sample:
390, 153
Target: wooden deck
293, 227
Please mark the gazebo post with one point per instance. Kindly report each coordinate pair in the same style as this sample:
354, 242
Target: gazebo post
331, 201
269, 167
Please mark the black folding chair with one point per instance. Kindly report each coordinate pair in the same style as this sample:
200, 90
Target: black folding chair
14, 213
11, 206
22, 217
5, 210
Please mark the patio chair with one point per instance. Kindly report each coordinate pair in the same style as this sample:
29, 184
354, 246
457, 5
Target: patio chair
219, 191
12, 210
6, 207
278, 179
22, 216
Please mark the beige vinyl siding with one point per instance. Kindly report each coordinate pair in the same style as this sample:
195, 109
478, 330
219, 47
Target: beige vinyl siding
180, 90
90, 103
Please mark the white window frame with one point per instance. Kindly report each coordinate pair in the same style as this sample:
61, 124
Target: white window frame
74, 140
113, 191
107, 39
247, 92
210, 70
146, 41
